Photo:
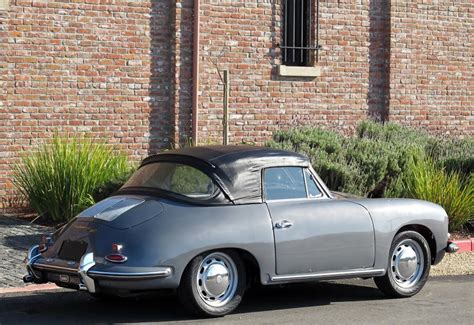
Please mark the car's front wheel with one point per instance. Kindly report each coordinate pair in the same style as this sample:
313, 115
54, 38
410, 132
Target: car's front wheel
408, 266
213, 284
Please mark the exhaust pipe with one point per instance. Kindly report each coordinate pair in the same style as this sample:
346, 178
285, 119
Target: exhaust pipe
28, 278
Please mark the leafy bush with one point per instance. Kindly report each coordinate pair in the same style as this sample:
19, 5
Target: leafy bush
61, 178
371, 162
362, 165
426, 181
452, 154
447, 152
108, 188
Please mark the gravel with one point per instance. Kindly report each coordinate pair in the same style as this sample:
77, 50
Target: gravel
16, 236
455, 264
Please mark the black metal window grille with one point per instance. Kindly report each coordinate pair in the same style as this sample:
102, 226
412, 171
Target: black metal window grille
297, 36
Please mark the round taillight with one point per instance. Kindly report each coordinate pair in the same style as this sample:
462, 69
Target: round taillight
116, 258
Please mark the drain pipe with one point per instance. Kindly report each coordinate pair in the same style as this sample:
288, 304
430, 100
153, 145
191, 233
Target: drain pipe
195, 72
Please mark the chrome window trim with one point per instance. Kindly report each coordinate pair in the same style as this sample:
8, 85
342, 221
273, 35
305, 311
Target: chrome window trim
319, 182
302, 199
316, 183
274, 167
324, 192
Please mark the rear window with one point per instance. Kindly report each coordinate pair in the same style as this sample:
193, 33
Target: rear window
173, 177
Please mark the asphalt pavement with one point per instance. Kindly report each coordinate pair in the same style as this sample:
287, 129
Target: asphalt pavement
443, 300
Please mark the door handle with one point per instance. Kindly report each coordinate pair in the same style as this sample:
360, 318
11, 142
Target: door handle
283, 224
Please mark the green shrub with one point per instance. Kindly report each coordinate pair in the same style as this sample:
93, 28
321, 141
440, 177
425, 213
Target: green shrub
61, 178
363, 165
447, 152
371, 162
110, 187
424, 180
325, 149
452, 154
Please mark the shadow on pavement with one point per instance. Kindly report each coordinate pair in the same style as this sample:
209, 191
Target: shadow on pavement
67, 306
308, 295
21, 242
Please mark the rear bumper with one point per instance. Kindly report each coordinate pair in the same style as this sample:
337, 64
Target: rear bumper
85, 275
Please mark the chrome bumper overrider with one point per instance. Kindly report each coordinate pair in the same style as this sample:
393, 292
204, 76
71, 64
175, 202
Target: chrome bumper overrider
451, 248
33, 256
87, 283
86, 274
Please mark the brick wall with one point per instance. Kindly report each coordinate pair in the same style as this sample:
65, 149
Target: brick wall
242, 36
432, 65
122, 71
82, 67
181, 90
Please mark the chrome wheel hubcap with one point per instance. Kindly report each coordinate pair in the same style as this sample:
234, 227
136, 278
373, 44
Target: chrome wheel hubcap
217, 279
407, 263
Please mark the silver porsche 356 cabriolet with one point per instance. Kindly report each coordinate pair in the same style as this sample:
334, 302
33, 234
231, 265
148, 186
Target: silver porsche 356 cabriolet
208, 221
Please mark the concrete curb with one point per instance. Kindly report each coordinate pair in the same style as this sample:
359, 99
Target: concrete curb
465, 245
29, 288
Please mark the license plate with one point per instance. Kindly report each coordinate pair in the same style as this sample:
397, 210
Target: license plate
64, 278
72, 250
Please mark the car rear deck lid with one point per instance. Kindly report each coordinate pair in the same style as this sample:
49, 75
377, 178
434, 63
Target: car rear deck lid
111, 208
123, 211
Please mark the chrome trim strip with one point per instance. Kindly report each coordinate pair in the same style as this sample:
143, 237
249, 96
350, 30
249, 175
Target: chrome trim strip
328, 275
42, 266
160, 273
304, 199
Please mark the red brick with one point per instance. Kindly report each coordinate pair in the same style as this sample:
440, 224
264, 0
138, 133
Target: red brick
85, 67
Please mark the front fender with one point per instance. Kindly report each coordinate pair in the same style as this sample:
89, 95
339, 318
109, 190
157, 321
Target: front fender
391, 215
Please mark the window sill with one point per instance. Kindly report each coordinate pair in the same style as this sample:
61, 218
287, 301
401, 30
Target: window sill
4, 5
294, 71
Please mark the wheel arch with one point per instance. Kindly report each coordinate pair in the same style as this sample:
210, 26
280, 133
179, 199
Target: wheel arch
252, 267
426, 233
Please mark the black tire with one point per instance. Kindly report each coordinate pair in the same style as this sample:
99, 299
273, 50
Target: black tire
392, 283
189, 289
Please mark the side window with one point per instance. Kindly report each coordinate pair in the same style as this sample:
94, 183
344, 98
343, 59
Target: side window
284, 183
313, 190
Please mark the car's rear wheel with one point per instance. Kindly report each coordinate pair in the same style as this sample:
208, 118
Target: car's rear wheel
408, 266
213, 284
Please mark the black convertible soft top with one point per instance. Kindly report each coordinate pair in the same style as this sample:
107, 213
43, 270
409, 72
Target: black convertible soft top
237, 169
